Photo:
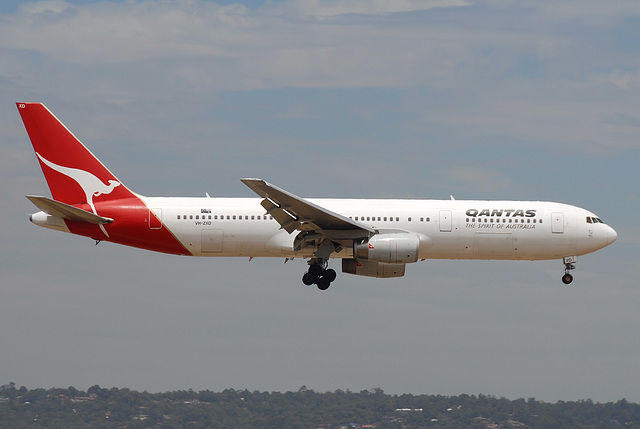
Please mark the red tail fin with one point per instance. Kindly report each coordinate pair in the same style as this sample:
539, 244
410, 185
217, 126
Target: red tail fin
73, 173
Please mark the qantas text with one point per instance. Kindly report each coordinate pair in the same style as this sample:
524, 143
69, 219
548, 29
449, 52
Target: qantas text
503, 212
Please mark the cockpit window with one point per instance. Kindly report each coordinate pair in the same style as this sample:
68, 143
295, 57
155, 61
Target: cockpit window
594, 220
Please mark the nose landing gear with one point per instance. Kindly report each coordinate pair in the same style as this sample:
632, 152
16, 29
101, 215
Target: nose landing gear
319, 274
569, 264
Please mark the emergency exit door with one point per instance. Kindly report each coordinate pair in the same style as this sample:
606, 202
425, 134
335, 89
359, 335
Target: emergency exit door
557, 223
445, 221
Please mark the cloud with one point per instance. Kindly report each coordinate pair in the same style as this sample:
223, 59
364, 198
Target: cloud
623, 80
481, 64
592, 13
332, 8
108, 32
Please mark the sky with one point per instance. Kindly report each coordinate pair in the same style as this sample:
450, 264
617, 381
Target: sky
479, 99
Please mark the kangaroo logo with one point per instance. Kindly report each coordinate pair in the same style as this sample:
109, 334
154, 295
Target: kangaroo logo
90, 184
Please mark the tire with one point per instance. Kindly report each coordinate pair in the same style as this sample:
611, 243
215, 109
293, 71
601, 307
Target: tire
330, 275
567, 279
315, 270
308, 279
323, 283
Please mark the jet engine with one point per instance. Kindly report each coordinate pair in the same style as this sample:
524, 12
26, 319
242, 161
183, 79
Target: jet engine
388, 248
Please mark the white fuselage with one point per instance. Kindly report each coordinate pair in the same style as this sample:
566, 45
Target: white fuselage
448, 229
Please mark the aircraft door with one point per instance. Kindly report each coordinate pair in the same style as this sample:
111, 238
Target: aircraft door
557, 222
155, 218
212, 240
445, 221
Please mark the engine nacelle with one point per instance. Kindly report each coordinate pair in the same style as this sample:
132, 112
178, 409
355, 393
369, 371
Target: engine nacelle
372, 268
389, 248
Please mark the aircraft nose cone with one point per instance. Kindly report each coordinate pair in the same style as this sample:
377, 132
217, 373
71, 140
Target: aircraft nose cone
612, 235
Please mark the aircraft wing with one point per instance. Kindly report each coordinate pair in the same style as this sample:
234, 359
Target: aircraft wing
65, 211
296, 213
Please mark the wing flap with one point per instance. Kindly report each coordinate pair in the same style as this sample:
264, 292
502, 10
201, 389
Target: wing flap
282, 216
65, 211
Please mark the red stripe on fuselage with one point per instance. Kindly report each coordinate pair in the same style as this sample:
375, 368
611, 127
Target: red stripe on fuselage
130, 227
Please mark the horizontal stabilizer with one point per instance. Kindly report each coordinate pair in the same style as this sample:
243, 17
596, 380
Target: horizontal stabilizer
65, 211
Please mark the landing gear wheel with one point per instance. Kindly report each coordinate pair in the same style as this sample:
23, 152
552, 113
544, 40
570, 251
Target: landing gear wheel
319, 274
315, 270
567, 279
330, 275
323, 283
308, 279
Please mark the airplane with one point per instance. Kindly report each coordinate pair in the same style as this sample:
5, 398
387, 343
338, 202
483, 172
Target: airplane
372, 237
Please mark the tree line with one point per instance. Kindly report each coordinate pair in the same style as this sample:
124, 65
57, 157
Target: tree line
99, 407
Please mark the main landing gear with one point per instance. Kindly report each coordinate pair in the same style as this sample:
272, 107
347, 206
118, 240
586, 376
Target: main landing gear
569, 264
319, 274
